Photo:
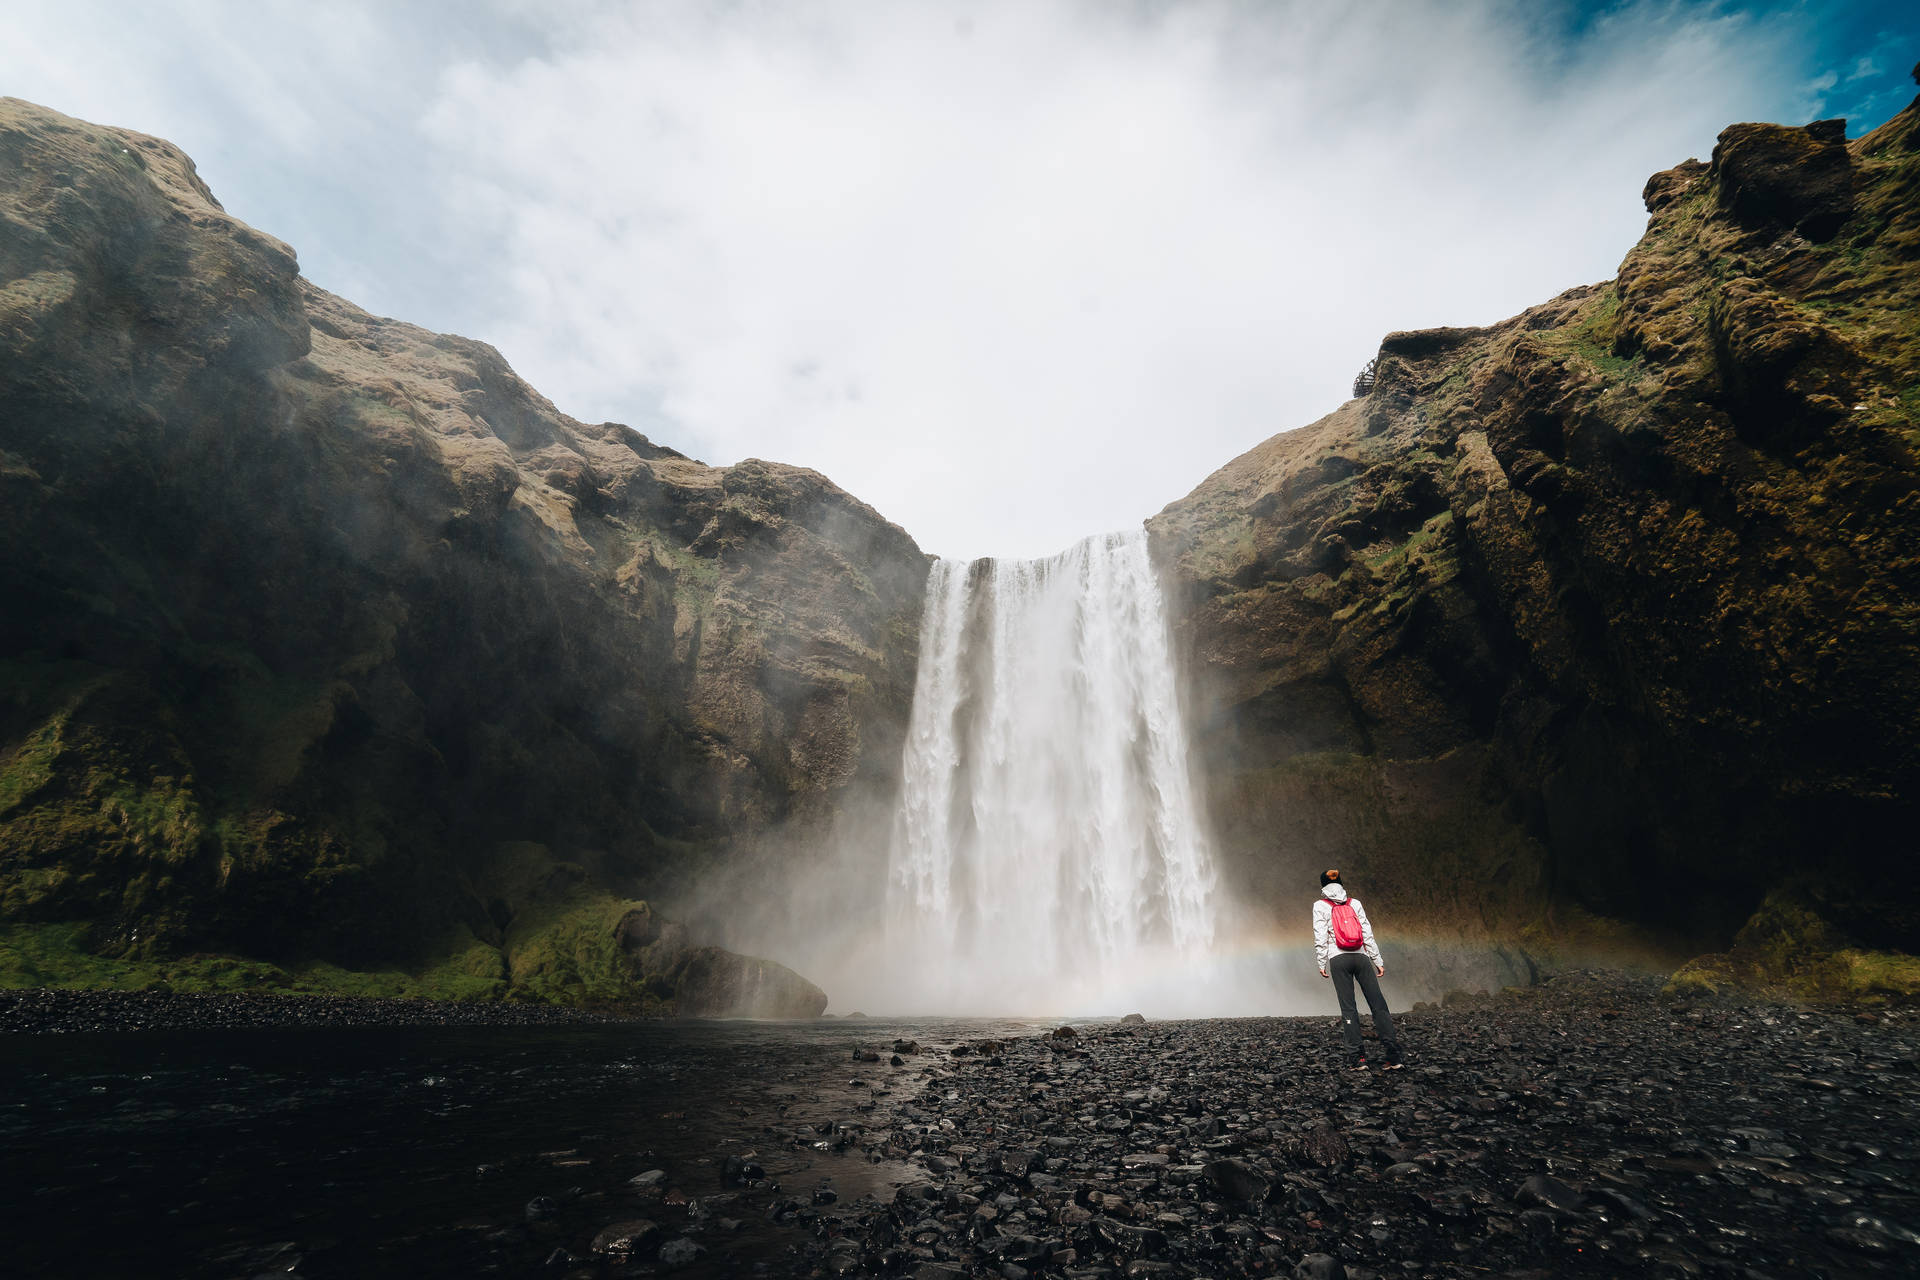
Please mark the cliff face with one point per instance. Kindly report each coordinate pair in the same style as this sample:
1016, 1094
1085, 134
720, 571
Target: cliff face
327, 638
1612, 608
330, 646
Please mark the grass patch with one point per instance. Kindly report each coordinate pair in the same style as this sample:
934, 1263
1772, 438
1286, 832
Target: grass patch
565, 951
57, 955
1593, 338
1789, 950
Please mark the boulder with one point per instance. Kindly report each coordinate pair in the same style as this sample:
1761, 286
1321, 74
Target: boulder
634, 1238
1239, 1181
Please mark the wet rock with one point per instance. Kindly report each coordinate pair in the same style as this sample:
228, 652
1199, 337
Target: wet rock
735, 1171
1146, 1241
636, 1237
1550, 1193
1319, 1266
1022, 1248
1019, 1162
1538, 1137
680, 1252
1239, 1181
1112, 1149
1325, 1146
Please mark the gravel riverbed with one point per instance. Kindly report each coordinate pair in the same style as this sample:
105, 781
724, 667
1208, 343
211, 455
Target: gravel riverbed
1583, 1127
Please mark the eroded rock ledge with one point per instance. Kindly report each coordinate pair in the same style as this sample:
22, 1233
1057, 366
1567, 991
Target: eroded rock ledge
1605, 613
310, 613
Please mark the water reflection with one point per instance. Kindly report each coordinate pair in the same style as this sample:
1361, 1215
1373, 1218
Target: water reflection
417, 1151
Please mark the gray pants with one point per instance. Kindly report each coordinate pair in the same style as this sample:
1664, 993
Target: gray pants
1344, 968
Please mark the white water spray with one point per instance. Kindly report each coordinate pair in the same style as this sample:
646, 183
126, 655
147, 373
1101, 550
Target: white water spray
1049, 854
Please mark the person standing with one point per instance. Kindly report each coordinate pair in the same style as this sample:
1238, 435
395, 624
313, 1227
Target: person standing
1343, 943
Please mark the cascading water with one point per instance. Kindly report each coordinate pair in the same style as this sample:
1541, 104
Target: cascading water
1048, 854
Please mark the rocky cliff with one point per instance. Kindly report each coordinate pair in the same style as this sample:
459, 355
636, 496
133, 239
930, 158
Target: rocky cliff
1610, 612
328, 642
334, 657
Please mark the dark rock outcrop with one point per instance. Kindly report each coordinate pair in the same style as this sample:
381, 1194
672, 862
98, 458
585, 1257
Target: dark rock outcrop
1608, 611
313, 618
1769, 177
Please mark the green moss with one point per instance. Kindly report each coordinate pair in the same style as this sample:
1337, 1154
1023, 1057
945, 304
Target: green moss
1704, 978
1789, 950
1878, 975
1231, 546
24, 771
696, 578
100, 813
1436, 527
560, 942
1594, 336
466, 969
58, 955
565, 951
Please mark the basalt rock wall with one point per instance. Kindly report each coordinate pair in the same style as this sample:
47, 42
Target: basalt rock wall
326, 637
1609, 612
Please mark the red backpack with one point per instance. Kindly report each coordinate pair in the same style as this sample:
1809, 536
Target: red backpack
1347, 933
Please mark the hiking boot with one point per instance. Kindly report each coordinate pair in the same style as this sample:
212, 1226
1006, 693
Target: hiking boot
1358, 1062
1393, 1059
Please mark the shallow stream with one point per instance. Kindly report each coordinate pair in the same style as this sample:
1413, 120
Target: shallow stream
420, 1151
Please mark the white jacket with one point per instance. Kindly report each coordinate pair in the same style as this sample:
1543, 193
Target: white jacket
1323, 948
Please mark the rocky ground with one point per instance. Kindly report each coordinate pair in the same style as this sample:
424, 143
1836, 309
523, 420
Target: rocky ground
1584, 1127
1588, 1126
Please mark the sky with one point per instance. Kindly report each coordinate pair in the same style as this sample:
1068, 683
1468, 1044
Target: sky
1012, 272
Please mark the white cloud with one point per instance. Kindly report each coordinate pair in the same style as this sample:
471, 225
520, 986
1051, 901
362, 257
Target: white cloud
1015, 273
1012, 271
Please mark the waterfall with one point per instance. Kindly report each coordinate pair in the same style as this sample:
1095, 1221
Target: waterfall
1048, 854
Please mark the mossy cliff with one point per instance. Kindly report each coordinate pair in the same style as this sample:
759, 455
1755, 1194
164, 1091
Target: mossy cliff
309, 614
333, 657
1610, 612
